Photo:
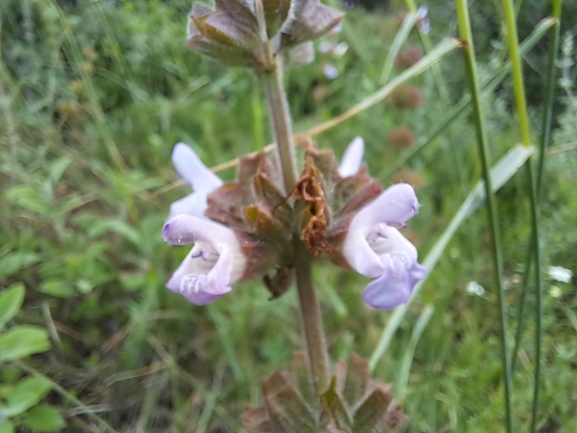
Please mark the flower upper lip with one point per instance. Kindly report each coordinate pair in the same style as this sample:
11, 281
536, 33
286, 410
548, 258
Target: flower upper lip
199, 176
352, 158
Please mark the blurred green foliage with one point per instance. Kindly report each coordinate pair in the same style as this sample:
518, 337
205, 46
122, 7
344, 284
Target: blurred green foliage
20, 396
93, 94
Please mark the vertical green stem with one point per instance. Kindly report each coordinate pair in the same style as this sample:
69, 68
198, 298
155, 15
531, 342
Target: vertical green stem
281, 123
311, 318
518, 84
543, 145
517, 71
471, 67
309, 305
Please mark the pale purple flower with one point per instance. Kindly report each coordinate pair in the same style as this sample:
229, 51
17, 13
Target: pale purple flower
214, 264
423, 20
194, 172
375, 247
326, 47
352, 158
330, 71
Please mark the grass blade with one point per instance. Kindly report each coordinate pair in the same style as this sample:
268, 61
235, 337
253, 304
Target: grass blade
483, 145
464, 105
407, 363
400, 38
543, 145
521, 103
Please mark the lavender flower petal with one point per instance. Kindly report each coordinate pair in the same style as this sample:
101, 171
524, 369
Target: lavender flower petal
188, 229
190, 167
193, 204
213, 264
395, 286
353, 158
393, 207
361, 257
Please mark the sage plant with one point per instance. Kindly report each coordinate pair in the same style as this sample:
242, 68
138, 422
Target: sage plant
275, 220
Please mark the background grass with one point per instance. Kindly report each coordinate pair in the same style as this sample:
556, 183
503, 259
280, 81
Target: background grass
93, 96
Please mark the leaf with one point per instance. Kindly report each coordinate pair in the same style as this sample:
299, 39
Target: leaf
401, 37
372, 412
58, 288
57, 169
335, 409
255, 420
28, 198
10, 302
15, 261
23, 341
23, 396
287, 410
7, 427
290, 413
117, 226
405, 370
357, 379
43, 418
301, 377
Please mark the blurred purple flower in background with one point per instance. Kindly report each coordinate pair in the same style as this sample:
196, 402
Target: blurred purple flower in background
423, 20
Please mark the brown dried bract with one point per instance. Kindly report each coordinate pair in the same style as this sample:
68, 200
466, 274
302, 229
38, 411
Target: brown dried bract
309, 190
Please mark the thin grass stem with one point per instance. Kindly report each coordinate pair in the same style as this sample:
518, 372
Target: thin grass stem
483, 145
534, 251
68, 396
519, 88
464, 104
400, 38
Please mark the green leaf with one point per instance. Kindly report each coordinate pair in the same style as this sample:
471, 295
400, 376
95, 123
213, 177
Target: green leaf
15, 261
7, 427
23, 341
25, 395
57, 169
114, 225
335, 408
358, 376
10, 302
401, 37
61, 289
372, 412
28, 198
43, 418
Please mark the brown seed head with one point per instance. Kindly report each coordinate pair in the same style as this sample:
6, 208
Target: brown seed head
401, 136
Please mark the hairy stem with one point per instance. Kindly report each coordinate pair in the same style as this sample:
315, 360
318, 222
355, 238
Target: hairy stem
281, 123
309, 305
311, 318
